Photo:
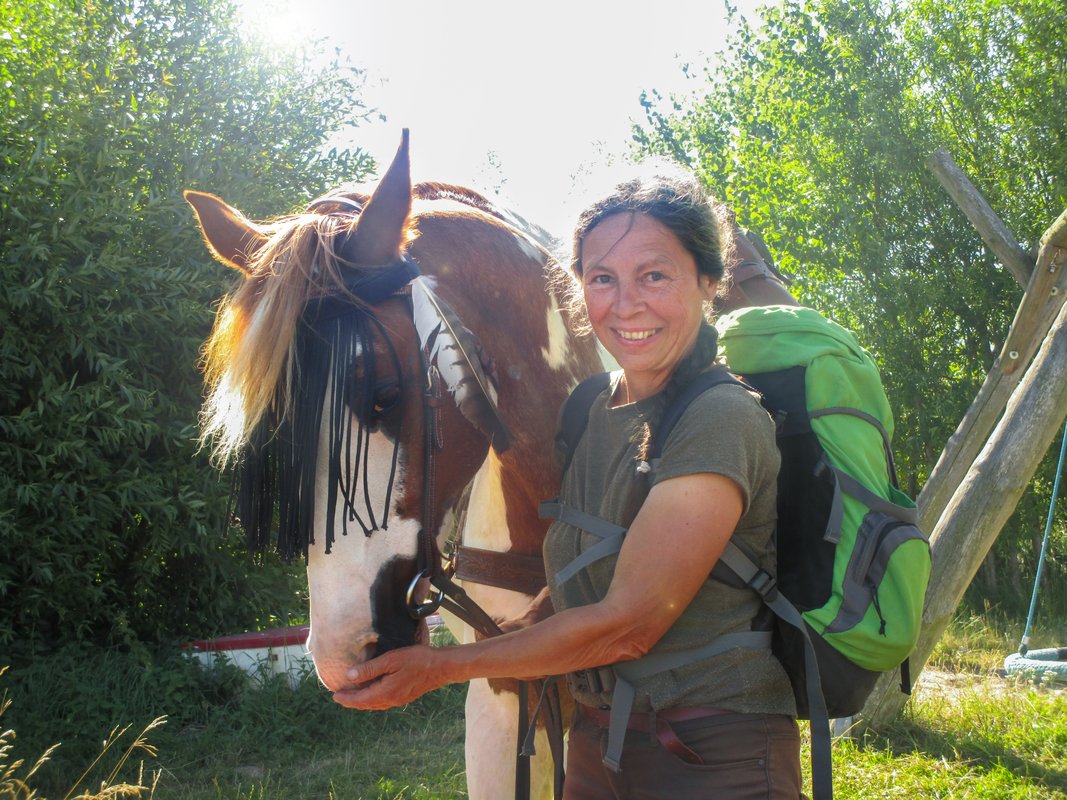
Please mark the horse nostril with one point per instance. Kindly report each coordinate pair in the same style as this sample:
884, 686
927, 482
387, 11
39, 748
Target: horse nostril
368, 652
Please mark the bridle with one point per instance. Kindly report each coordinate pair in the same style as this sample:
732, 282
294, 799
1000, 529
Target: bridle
391, 280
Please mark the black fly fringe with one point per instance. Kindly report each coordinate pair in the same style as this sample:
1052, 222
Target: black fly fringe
333, 367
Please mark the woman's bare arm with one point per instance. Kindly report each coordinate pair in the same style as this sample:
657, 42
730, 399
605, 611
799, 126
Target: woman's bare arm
669, 551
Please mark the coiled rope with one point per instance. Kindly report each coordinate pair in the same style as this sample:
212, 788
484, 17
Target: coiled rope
1050, 663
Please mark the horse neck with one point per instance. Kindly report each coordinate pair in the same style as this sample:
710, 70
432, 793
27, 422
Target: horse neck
538, 359
528, 472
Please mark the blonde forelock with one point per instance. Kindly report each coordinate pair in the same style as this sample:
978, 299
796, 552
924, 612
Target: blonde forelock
246, 360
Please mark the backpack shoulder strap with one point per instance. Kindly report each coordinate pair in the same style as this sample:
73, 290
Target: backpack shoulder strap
674, 412
574, 416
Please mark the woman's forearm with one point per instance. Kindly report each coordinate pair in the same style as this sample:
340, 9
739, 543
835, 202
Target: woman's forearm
652, 585
588, 636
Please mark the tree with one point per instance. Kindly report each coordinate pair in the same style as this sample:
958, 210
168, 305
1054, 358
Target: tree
110, 519
816, 127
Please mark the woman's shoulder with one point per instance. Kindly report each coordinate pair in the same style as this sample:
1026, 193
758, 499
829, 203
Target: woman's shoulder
724, 430
726, 414
729, 395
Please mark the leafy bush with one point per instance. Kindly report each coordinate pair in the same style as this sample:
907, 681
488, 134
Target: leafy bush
110, 520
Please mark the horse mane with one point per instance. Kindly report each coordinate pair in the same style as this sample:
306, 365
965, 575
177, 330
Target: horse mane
249, 354
476, 200
248, 358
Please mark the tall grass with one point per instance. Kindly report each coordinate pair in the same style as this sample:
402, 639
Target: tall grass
16, 776
967, 732
975, 737
227, 737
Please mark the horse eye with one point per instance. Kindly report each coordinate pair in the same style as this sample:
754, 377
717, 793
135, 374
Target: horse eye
386, 398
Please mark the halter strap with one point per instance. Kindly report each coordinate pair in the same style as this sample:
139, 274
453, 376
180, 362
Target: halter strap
383, 282
353, 207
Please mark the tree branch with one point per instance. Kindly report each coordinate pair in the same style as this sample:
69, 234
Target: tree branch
993, 232
1044, 297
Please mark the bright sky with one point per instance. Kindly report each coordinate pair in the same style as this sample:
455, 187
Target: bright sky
518, 99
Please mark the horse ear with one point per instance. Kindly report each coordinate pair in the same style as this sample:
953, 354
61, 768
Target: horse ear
231, 237
380, 230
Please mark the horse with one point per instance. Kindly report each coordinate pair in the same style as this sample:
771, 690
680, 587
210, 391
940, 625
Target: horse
383, 357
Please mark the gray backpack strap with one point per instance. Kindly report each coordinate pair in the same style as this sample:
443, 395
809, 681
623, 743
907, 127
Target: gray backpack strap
628, 673
846, 484
872, 420
622, 701
767, 588
598, 526
611, 536
853, 488
837, 503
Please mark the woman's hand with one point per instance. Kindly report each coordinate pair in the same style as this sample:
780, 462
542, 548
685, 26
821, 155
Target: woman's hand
392, 679
540, 608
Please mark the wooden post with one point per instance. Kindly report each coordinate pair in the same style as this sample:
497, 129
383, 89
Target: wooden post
1045, 294
984, 501
993, 232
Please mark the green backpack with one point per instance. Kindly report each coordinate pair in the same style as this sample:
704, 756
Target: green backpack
850, 557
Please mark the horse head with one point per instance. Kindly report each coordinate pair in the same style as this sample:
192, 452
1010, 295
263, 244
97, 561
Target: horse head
381, 354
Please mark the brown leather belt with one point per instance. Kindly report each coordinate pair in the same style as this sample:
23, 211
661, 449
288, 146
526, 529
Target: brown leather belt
658, 723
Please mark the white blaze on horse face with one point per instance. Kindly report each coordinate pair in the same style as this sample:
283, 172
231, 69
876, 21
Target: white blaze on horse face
341, 583
558, 353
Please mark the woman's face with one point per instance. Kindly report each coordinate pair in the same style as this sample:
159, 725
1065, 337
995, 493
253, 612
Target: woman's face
644, 297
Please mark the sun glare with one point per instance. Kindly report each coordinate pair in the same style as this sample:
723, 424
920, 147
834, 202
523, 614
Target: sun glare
523, 103
276, 23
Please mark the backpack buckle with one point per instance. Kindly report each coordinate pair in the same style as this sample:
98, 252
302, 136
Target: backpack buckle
763, 584
598, 680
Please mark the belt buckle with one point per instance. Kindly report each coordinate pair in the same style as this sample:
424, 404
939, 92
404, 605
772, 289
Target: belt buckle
601, 680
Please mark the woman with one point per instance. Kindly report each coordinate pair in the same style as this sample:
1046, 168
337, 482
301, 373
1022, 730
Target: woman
649, 261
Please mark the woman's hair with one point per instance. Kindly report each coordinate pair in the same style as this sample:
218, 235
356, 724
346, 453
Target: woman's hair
678, 203
681, 205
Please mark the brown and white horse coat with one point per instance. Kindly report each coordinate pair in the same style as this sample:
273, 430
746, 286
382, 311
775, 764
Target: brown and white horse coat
495, 277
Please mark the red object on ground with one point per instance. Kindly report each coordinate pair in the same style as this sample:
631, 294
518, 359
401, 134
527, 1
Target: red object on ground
278, 637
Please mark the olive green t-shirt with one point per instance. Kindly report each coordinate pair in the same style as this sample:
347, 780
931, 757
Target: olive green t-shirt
724, 431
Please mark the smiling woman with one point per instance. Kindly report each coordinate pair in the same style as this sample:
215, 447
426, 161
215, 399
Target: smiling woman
644, 297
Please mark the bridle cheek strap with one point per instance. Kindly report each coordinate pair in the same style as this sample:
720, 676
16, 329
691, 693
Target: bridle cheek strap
453, 598
429, 561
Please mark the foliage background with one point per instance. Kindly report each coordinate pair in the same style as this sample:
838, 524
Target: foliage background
816, 127
110, 521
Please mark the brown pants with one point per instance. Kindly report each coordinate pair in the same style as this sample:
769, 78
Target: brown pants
745, 757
